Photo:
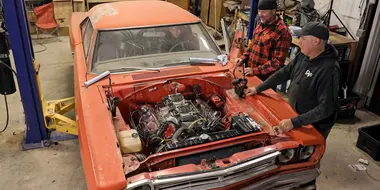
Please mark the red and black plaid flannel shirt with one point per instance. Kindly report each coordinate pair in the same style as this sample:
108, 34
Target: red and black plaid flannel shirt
269, 48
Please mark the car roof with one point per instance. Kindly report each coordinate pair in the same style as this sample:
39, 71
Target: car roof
138, 13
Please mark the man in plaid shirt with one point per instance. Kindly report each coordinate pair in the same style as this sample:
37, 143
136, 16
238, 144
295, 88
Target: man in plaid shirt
270, 44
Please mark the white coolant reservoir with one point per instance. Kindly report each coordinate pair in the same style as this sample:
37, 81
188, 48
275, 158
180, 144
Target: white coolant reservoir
130, 141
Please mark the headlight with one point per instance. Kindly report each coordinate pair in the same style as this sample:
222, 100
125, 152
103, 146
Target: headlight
286, 155
306, 152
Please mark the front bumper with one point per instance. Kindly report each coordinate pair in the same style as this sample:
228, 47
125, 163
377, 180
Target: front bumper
220, 178
285, 181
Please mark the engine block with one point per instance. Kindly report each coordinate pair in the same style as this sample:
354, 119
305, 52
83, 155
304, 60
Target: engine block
175, 109
177, 122
178, 110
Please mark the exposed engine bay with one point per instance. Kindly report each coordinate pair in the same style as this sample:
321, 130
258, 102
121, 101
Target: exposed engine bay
180, 120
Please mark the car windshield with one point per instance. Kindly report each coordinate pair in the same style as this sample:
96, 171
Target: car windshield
153, 47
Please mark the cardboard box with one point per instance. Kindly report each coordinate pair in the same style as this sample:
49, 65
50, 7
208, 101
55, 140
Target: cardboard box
79, 6
62, 12
205, 10
185, 4
216, 13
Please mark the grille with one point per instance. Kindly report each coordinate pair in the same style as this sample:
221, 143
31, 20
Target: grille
216, 178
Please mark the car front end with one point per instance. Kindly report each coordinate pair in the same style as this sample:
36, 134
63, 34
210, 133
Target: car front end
262, 171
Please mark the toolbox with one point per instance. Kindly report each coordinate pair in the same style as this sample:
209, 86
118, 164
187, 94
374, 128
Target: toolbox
346, 104
369, 141
346, 107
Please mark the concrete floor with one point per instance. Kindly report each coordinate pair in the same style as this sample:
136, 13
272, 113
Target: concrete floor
59, 166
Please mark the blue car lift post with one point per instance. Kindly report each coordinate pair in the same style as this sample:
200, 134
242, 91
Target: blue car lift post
37, 111
252, 15
22, 49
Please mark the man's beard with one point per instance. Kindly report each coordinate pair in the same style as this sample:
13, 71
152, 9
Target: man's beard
268, 21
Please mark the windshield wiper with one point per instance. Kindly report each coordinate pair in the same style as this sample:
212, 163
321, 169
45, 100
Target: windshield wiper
209, 61
134, 69
195, 61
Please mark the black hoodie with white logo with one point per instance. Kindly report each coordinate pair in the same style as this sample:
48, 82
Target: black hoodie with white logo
314, 87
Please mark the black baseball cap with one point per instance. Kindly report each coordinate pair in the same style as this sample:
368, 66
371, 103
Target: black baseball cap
316, 29
267, 5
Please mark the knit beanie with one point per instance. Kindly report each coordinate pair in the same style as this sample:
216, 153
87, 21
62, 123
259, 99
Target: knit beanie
267, 4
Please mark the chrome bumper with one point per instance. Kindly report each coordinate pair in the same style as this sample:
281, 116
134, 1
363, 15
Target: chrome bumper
285, 181
220, 178
213, 179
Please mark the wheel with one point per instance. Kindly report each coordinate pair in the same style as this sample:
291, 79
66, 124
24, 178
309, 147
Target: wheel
182, 43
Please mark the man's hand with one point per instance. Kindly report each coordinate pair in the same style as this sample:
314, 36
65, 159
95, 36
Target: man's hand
276, 130
286, 125
251, 91
248, 71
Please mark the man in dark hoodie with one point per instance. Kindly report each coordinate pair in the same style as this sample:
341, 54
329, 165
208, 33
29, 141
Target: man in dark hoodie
315, 81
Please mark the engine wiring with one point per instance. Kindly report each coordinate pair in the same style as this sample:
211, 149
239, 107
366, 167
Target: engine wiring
133, 125
196, 121
164, 140
221, 98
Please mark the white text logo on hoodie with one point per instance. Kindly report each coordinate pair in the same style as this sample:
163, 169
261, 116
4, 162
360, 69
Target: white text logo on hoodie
308, 73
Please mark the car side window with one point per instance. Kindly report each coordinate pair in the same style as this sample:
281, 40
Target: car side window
83, 27
87, 31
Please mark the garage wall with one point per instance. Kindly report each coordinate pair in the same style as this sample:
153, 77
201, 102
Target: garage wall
347, 10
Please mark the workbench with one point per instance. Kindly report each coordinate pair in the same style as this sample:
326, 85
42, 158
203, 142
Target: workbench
339, 41
336, 39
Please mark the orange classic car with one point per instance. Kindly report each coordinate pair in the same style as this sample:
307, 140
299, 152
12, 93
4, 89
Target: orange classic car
167, 114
